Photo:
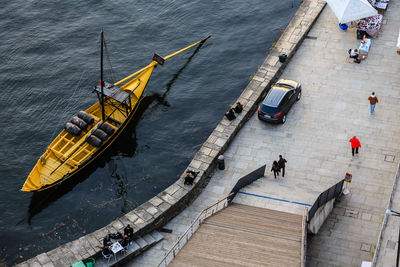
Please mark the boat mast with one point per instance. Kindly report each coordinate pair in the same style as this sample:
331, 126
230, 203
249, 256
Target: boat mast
101, 76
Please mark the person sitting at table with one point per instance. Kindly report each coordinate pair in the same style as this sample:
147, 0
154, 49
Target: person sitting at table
125, 241
353, 53
128, 231
106, 241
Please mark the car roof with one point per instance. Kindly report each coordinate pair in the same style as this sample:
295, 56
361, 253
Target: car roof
287, 82
275, 95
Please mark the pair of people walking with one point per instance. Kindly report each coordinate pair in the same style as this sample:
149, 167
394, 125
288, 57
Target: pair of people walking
279, 165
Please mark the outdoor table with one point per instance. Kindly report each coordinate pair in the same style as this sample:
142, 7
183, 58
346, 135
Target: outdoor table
115, 248
379, 4
364, 47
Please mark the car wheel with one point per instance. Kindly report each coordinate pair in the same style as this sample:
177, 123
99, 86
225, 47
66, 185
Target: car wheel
283, 119
299, 96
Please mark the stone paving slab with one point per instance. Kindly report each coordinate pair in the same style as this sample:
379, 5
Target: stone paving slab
314, 140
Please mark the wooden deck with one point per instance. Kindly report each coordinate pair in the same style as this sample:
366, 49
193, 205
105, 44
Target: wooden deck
243, 235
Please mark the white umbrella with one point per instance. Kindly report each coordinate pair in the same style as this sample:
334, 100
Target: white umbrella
350, 10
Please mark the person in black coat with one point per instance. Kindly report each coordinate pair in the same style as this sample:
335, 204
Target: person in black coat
282, 163
275, 168
128, 232
238, 108
230, 115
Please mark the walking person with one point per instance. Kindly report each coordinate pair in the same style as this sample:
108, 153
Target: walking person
281, 163
372, 101
355, 144
275, 168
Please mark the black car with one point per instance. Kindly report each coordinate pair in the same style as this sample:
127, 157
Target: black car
279, 100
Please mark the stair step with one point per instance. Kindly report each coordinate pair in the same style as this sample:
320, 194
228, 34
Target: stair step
264, 211
141, 242
133, 247
149, 239
253, 217
157, 236
209, 245
261, 225
244, 235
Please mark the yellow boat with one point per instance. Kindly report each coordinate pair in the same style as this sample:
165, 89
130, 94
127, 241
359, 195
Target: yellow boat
91, 132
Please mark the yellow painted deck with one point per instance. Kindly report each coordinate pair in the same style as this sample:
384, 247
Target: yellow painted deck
67, 152
242, 235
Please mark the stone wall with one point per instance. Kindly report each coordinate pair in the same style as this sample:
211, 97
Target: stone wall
160, 209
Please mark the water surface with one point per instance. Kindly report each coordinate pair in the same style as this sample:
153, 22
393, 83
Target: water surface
50, 62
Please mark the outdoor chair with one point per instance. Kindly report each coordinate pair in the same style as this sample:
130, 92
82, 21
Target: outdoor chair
107, 255
125, 250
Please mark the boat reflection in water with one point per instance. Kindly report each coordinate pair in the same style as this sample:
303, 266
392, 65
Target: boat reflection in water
42, 199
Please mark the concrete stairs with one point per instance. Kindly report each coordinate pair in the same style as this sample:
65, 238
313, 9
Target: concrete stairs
242, 235
135, 248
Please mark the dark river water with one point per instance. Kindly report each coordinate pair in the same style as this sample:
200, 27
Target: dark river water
48, 66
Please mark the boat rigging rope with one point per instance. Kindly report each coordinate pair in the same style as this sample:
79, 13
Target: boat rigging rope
109, 60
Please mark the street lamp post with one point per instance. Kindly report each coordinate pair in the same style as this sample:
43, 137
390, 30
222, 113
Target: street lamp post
395, 213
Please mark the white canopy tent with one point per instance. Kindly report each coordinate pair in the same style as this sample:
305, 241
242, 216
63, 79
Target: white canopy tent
350, 10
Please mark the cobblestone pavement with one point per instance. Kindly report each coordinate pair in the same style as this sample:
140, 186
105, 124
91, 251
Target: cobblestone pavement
314, 140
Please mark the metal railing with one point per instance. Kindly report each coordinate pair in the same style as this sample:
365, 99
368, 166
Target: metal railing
333, 192
246, 180
303, 238
204, 214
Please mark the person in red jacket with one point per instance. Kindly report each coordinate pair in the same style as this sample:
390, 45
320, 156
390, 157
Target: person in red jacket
355, 144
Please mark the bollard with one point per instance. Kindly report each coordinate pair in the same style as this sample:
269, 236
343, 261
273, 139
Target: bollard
221, 162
